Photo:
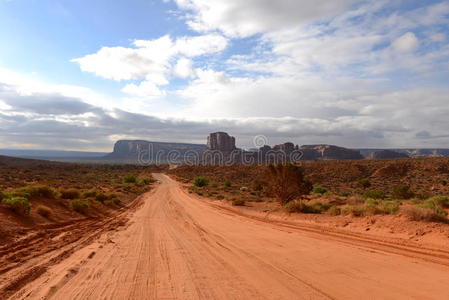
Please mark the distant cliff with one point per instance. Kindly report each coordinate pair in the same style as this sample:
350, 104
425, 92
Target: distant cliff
135, 151
386, 154
328, 152
221, 148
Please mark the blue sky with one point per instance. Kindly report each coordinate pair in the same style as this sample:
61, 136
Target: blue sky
356, 73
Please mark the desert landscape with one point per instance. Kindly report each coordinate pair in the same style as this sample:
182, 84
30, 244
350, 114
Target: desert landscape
224, 149
92, 231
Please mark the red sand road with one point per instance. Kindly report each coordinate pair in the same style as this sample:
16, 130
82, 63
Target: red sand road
177, 246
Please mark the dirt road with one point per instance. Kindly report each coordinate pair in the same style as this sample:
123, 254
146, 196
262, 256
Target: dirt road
177, 246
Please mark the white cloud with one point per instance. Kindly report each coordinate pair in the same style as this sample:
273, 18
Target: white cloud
184, 68
149, 58
143, 89
406, 43
244, 18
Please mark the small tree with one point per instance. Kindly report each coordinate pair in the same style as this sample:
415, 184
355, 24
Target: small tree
286, 182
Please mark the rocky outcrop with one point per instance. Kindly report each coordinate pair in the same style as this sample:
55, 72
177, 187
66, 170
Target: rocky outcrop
286, 147
139, 151
221, 141
328, 152
387, 154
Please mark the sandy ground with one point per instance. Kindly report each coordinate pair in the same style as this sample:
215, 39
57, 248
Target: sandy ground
173, 245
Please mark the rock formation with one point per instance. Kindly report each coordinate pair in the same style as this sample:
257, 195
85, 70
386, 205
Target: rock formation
387, 154
131, 151
328, 152
221, 141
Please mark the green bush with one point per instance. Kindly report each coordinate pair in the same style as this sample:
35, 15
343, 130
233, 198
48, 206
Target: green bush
374, 194
19, 205
145, 181
2, 196
371, 208
321, 206
80, 205
356, 211
344, 193
390, 207
20, 192
200, 181
101, 197
238, 202
319, 190
371, 202
227, 184
44, 211
402, 192
89, 194
70, 194
41, 191
293, 207
130, 179
442, 201
333, 211
422, 213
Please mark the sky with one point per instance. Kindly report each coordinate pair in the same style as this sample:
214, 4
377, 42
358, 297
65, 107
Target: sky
80, 75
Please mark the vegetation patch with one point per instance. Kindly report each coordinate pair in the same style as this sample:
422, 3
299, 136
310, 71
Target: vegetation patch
80, 205
19, 205
200, 181
44, 211
70, 194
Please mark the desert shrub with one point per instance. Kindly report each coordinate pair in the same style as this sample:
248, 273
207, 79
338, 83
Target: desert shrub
109, 203
145, 181
300, 207
44, 211
227, 184
2, 196
70, 194
356, 211
80, 205
333, 211
219, 197
364, 183
344, 193
286, 182
374, 194
442, 201
101, 197
293, 207
423, 195
238, 202
89, 194
371, 202
200, 181
390, 207
19, 205
420, 213
319, 190
402, 192
41, 191
321, 206
356, 199
371, 207
417, 201
20, 192
130, 179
